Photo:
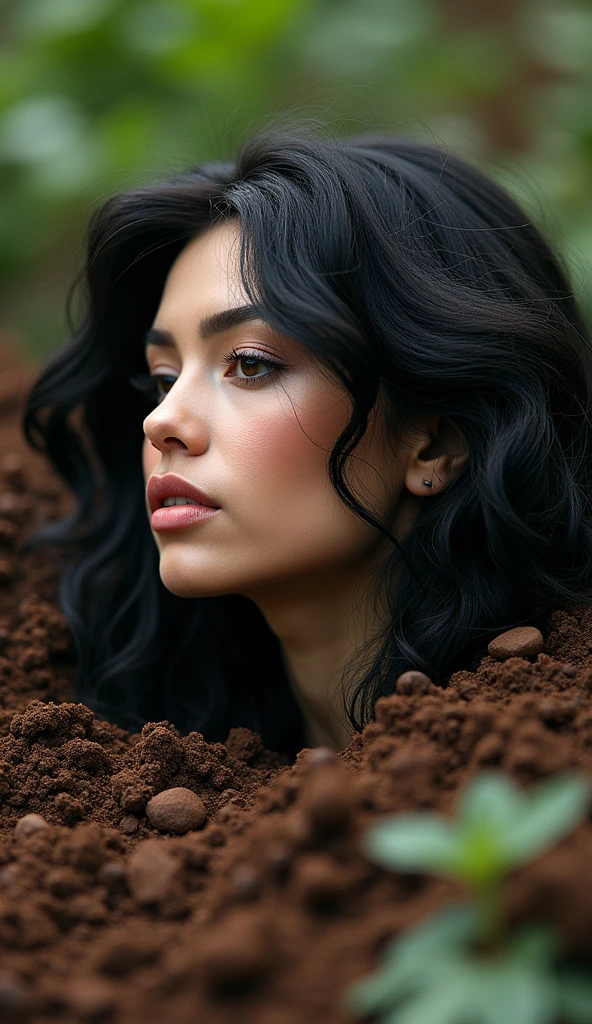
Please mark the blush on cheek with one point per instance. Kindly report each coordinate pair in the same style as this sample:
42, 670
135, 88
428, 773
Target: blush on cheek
294, 440
275, 448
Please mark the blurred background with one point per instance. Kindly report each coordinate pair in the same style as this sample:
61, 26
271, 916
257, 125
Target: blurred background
100, 95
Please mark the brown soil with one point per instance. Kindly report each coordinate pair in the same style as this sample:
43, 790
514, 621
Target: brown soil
267, 912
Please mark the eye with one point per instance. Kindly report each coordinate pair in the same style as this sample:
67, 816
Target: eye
151, 384
255, 357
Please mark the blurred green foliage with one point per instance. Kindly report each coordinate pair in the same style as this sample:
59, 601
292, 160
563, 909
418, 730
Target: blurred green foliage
99, 95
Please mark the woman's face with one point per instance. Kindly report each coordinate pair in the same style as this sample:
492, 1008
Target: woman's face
259, 449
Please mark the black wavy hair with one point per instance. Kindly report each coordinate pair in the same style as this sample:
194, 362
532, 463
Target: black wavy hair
421, 286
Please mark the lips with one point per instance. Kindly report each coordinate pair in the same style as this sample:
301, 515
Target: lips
170, 486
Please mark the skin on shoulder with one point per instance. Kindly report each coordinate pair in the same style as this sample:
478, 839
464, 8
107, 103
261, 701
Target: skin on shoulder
284, 539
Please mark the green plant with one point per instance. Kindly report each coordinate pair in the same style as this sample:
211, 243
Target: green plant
461, 966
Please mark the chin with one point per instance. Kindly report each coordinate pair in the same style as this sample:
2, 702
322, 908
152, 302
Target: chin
187, 587
180, 588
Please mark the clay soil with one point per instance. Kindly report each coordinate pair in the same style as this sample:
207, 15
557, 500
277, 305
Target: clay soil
267, 912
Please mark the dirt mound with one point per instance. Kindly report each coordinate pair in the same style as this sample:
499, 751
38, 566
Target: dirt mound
266, 911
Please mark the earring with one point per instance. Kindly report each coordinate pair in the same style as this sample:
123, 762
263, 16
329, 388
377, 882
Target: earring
428, 483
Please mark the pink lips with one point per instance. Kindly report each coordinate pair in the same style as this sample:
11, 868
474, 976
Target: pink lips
175, 517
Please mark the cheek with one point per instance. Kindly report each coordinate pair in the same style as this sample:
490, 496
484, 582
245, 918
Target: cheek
150, 458
284, 451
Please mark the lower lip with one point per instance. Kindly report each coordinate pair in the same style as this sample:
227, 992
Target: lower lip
175, 517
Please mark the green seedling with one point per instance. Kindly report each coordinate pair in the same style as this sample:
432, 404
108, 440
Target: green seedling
460, 966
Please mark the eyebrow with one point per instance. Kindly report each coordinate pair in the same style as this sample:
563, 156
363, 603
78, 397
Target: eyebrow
224, 320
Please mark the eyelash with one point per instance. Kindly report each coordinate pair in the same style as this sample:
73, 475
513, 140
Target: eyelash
148, 383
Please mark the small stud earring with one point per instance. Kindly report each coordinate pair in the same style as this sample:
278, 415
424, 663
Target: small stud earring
428, 483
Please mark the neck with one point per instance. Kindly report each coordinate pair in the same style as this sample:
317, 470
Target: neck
321, 623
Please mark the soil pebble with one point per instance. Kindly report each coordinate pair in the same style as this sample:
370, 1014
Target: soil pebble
522, 642
152, 872
176, 810
414, 682
29, 824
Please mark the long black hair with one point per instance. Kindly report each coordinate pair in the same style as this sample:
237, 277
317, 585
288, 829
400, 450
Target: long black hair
424, 289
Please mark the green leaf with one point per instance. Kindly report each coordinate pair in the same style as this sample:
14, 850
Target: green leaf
551, 811
447, 932
575, 998
413, 842
514, 993
430, 975
447, 1003
380, 990
482, 859
469, 991
488, 810
490, 800
416, 959
535, 945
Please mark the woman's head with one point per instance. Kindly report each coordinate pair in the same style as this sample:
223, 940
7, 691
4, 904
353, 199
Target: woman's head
426, 332
255, 437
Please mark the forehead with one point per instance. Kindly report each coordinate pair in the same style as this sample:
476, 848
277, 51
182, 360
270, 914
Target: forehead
207, 266
203, 293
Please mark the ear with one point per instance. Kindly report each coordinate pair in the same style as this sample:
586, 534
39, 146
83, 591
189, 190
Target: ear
439, 455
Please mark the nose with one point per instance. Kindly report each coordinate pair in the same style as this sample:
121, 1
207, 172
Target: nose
166, 432
179, 420
156, 433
